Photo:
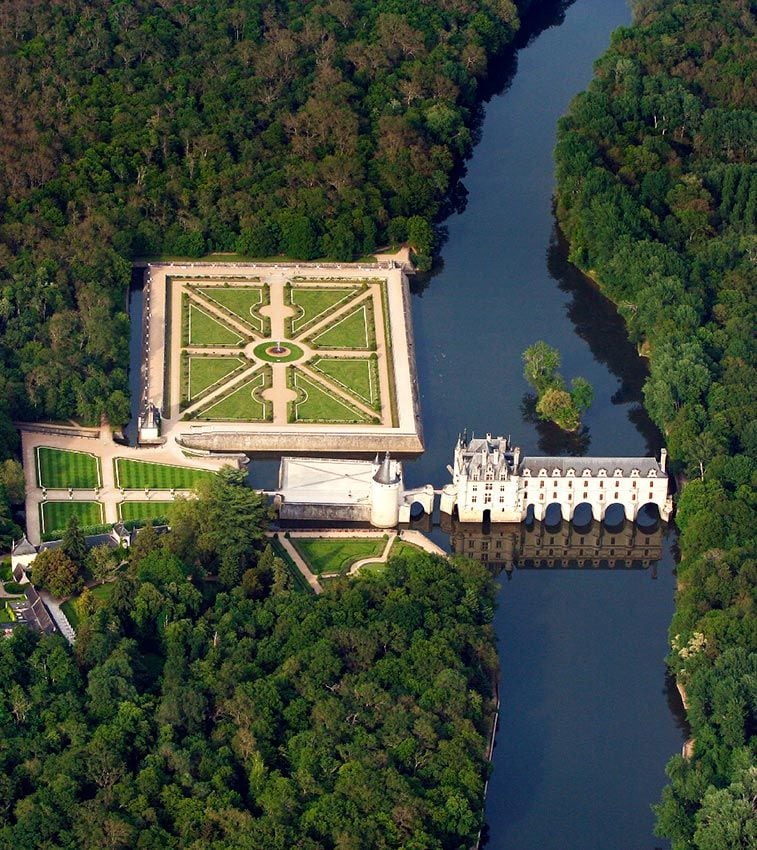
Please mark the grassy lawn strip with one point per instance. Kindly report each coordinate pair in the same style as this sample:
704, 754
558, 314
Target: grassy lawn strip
299, 581
102, 593
336, 554
204, 372
313, 302
143, 510
242, 404
55, 515
60, 468
399, 549
357, 375
350, 331
139, 474
319, 406
207, 330
242, 301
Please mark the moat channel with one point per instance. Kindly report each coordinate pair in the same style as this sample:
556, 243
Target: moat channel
588, 719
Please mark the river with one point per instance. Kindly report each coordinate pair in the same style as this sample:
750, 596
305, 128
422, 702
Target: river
588, 719
586, 724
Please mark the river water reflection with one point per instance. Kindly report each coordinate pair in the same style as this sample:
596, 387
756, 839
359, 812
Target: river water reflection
586, 723
588, 719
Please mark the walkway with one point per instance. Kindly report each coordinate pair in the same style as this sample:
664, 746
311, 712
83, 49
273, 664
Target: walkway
394, 351
414, 538
98, 442
56, 612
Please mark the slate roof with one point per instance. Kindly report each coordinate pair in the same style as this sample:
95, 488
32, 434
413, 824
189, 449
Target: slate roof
384, 473
645, 465
24, 547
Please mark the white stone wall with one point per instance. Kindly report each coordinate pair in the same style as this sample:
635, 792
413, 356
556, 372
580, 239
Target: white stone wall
507, 496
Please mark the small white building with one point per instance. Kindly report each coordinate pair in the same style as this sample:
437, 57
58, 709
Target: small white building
343, 490
490, 480
148, 425
22, 555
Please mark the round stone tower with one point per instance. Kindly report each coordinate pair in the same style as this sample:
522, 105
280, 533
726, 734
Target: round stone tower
386, 489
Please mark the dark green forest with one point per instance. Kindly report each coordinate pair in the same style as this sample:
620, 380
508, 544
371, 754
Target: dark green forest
264, 127
209, 705
657, 194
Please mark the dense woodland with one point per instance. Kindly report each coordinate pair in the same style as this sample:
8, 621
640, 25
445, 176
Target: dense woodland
658, 197
235, 713
319, 129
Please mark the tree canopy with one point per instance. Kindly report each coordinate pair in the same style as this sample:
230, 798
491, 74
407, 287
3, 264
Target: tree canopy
192, 717
657, 194
310, 129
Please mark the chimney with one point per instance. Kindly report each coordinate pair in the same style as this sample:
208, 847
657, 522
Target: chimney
663, 459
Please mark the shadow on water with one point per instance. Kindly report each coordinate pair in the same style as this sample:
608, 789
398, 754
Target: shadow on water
597, 321
501, 72
553, 441
136, 289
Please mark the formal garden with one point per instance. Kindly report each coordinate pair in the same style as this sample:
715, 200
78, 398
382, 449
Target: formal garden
331, 336
337, 554
54, 515
145, 475
61, 469
143, 511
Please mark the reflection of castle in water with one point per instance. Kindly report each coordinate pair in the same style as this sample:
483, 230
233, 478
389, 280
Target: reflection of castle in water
594, 546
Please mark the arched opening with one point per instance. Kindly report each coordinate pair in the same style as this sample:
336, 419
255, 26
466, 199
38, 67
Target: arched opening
419, 519
530, 518
486, 524
615, 517
417, 511
553, 516
648, 517
583, 516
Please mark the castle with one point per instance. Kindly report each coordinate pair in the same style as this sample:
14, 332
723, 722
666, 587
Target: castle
492, 480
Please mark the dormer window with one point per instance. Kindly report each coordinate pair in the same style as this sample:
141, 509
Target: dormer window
618, 473
586, 473
603, 473
634, 473
556, 473
542, 473
652, 473
526, 473
571, 472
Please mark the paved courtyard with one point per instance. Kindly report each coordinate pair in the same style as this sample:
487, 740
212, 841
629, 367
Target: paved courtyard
106, 500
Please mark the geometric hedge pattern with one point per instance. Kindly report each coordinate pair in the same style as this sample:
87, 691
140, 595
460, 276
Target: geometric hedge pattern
228, 354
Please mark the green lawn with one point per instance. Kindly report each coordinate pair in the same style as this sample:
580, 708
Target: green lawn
55, 515
60, 468
319, 406
102, 592
242, 404
139, 474
358, 375
313, 302
399, 548
143, 510
348, 332
242, 301
206, 371
207, 330
336, 554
